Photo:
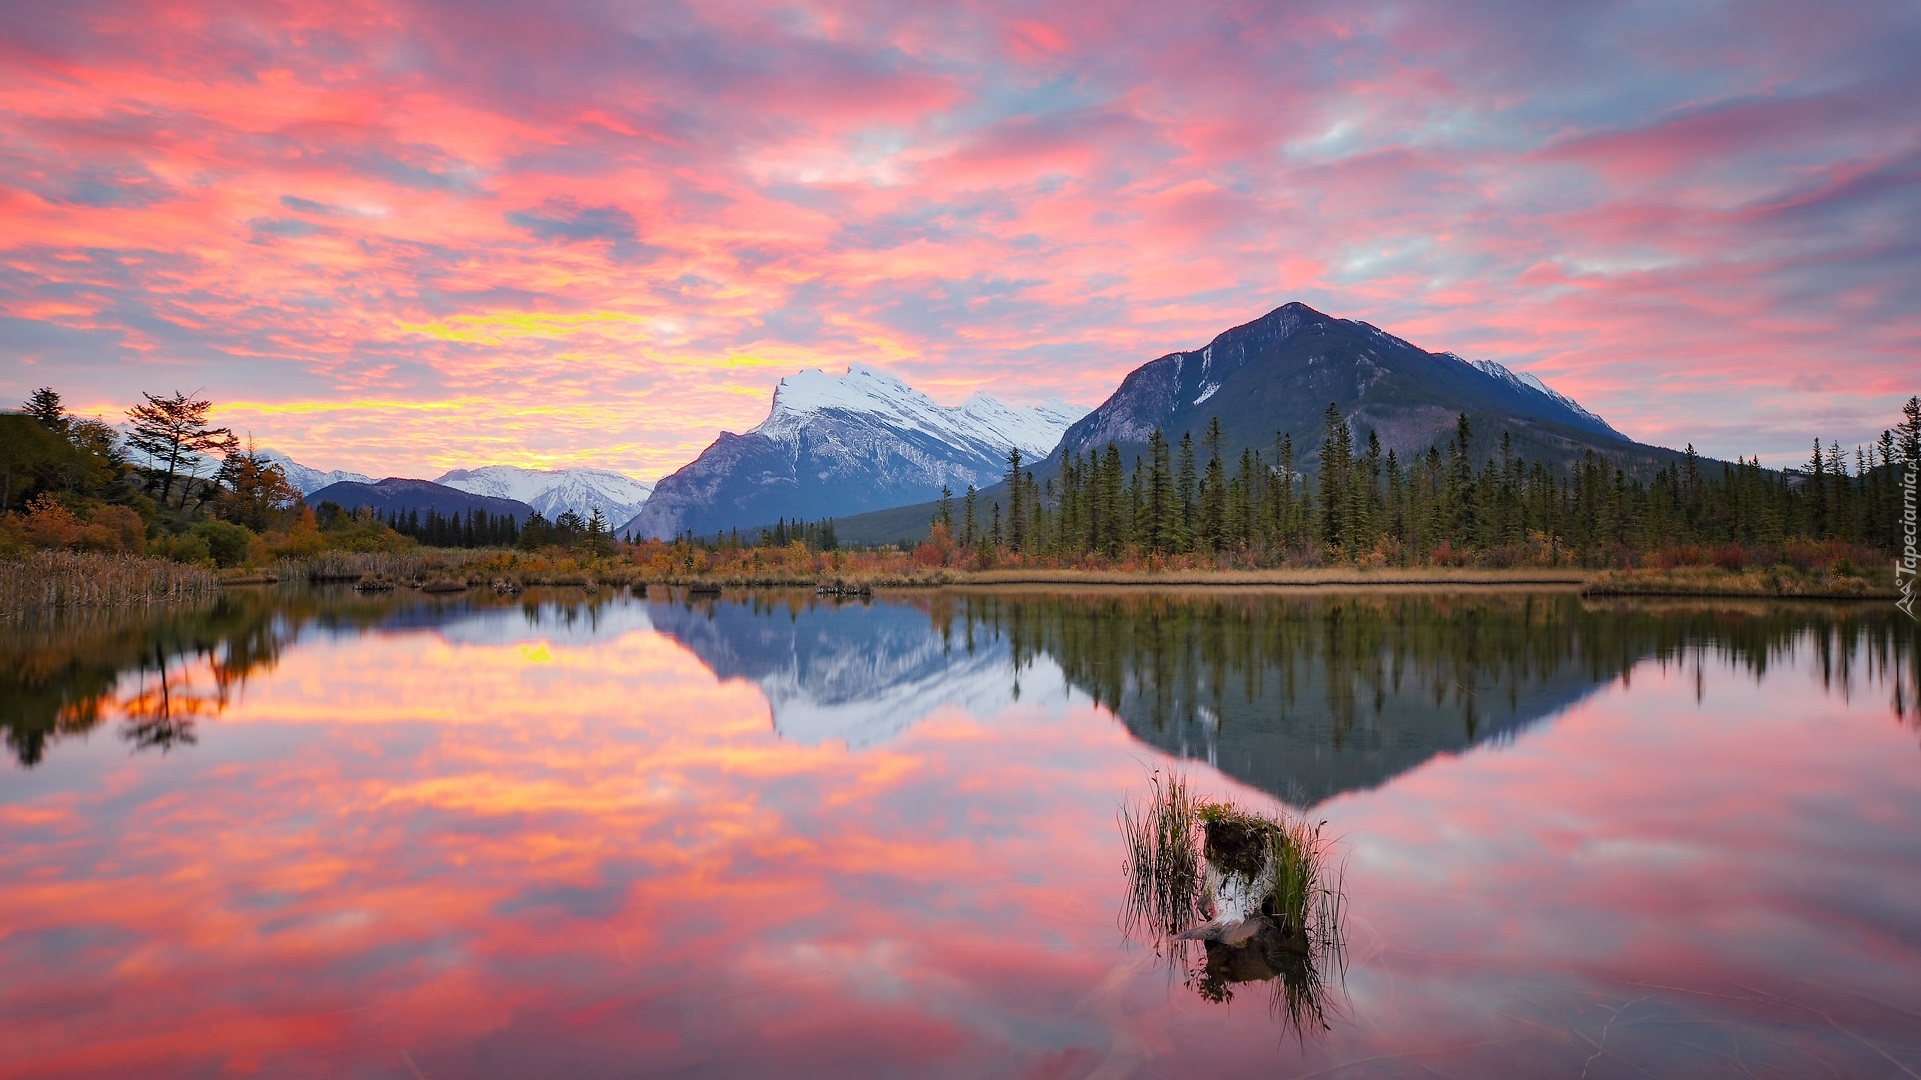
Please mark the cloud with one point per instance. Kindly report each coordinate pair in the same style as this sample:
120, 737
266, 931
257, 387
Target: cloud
561, 220
1673, 214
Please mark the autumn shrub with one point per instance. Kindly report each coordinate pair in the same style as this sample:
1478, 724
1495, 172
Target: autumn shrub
83, 526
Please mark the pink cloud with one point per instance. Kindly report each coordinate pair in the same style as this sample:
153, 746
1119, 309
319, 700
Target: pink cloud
261, 200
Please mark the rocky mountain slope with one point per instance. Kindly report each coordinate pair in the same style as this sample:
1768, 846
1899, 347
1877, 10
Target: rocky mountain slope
833, 446
1277, 374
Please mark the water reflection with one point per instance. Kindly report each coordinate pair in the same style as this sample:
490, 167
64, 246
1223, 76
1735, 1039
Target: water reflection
473, 837
154, 675
1304, 697
853, 672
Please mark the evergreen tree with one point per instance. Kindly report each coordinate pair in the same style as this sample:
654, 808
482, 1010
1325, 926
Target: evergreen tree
171, 432
44, 405
597, 536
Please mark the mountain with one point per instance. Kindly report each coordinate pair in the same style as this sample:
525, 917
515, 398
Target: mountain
1278, 374
553, 492
309, 480
835, 446
396, 493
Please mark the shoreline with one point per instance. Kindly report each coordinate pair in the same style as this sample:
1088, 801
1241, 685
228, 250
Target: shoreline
1773, 583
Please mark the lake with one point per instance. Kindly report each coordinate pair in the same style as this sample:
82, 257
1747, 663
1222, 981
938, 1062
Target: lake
317, 833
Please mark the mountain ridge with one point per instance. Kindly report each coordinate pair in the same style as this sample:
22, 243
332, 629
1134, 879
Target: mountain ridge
552, 492
399, 493
832, 445
1278, 373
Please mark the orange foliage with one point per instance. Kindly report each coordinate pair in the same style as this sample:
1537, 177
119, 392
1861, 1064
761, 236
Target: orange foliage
48, 524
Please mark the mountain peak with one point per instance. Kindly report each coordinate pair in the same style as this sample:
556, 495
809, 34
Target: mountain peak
837, 444
553, 492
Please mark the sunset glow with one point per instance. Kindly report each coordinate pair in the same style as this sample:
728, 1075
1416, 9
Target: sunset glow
553, 841
401, 237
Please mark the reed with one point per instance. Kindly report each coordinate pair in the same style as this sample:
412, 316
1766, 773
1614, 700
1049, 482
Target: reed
329, 566
60, 579
1164, 869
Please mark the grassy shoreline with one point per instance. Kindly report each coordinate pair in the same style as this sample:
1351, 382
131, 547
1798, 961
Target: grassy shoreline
69, 580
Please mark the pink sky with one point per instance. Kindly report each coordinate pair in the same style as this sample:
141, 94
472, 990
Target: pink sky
404, 237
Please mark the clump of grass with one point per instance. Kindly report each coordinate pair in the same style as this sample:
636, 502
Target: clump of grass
1259, 894
1163, 864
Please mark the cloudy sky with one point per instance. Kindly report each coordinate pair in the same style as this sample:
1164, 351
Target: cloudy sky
399, 237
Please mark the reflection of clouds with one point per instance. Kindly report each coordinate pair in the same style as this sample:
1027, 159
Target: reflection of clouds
457, 858
855, 673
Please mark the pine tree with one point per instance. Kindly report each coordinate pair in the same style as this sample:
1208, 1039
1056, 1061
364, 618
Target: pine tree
45, 407
171, 432
1016, 515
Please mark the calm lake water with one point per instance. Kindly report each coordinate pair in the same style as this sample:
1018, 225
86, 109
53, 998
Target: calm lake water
320, 834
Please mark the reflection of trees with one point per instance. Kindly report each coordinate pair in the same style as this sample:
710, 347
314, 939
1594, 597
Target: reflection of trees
160, 671
1310, 695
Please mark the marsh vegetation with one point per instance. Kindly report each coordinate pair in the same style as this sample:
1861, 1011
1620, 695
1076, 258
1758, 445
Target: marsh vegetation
1230, 896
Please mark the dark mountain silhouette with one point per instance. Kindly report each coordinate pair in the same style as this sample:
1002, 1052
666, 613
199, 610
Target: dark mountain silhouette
399, 494
1278, 374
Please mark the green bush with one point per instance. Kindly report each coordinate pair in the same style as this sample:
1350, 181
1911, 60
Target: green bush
181, 547
227, 542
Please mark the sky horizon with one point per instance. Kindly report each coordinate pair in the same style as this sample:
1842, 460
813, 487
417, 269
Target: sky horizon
398, 238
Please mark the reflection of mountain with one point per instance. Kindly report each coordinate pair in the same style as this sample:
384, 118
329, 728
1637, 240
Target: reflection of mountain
1307, 698
862, 673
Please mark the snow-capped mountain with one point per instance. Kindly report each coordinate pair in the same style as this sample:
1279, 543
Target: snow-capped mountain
553, 492
1528, 382
309, 480
1278, 374
844, 445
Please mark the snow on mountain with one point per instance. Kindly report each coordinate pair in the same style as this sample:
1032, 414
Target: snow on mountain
553, 492
307, 480
858, 674
1525, 381
837, 445
799, 399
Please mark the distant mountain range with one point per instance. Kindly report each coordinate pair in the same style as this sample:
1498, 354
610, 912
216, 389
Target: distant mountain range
400, 494
306, 480
833, 446
873, 453
554, 492
547, 492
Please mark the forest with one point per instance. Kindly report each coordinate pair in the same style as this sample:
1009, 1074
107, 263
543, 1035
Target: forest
1368, 507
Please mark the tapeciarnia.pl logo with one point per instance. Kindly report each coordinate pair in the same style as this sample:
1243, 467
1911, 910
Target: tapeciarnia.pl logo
1904, 567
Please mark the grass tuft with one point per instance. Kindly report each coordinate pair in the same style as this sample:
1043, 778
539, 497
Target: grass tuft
1260, 895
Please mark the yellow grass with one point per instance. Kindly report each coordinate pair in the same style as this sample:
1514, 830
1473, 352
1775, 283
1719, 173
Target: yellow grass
54, 579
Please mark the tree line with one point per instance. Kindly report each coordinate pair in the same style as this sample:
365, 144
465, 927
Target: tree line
181, 487
1369, 504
